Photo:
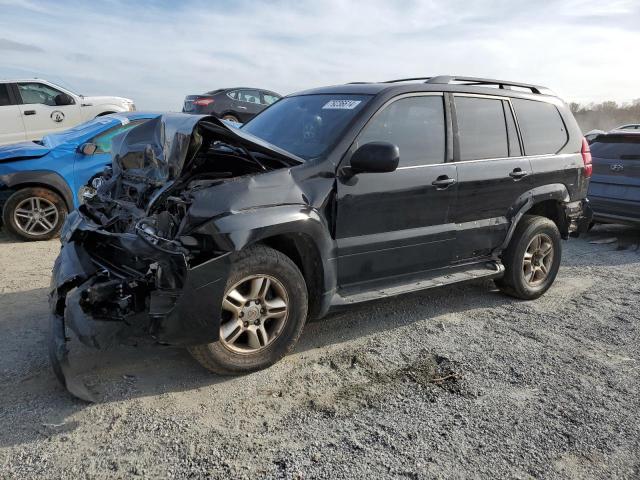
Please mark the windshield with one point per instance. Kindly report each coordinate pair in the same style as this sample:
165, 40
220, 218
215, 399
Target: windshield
306, 125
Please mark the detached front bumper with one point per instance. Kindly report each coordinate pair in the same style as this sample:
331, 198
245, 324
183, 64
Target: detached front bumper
106, 286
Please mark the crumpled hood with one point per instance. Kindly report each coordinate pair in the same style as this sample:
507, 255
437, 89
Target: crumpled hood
22, 151
158, 149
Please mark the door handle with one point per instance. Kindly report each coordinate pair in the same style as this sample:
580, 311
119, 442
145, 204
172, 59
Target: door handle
241, 107
442, 182
29, 112
518, 173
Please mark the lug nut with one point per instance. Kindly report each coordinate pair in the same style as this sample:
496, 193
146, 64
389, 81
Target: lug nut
257, 322
241, 314
257, 302
263, 310
246, 324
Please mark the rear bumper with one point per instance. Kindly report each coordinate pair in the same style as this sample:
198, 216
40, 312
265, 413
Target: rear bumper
100, 300
609, 210
578, 216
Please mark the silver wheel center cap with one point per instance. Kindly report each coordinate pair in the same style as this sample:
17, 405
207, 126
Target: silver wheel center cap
252, 313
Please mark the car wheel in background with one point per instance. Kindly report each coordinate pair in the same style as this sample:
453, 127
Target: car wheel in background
34, 213
264, 310
532, 259
230, 118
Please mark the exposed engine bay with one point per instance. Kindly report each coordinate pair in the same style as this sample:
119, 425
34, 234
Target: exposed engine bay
132, 258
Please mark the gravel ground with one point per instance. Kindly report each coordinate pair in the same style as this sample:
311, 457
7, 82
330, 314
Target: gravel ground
456, 382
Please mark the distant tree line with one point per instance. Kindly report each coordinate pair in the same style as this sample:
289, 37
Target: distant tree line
605, 115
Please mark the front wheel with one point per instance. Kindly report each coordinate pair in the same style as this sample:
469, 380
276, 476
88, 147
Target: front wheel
532, 259
264, 310
34, 213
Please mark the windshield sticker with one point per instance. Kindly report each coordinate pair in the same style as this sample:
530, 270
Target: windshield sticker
341, 104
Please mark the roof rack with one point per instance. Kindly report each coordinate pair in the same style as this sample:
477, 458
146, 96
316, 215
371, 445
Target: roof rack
503, 84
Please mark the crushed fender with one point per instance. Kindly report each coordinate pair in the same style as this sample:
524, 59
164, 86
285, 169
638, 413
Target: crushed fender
134, 258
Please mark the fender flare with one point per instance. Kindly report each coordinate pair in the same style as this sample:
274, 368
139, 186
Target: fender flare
526, 201
235, 231
42, 178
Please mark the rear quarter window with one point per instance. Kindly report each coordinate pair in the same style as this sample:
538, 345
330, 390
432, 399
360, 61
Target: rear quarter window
542, 128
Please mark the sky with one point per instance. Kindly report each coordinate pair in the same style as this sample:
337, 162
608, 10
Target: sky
156, 52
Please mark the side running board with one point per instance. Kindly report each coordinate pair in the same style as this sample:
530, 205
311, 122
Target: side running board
431, 279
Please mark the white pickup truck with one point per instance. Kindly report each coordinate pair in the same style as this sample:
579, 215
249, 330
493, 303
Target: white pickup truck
31, 109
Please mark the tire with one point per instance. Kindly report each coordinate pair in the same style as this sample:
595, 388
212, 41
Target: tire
20, 207
528, 280
226, 358
230, 118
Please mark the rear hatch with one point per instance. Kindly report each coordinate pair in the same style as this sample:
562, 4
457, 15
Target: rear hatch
615, 184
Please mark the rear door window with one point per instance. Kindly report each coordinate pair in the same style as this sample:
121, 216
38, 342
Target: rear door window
482, 128
415, 125
543, 131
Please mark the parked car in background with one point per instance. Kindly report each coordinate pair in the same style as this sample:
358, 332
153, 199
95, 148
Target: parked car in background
629, 126
234, 104
226, 240
614, 191
41, 181
31, 109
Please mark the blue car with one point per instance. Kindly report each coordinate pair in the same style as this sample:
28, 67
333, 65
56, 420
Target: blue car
40, 182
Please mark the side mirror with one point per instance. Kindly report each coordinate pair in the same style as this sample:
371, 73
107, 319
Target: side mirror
375, 157
88, 148
63, 99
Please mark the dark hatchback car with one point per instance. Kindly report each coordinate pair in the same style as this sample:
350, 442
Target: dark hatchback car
614, 191
233, 104
227, 240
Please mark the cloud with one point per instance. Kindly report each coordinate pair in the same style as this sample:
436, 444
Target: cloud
158, 52
9, 45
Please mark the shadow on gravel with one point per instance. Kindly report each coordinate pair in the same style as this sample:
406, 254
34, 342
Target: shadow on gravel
618, 237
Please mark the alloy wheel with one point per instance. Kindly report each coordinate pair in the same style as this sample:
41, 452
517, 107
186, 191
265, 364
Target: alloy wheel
254, 312
537, 261
36, 216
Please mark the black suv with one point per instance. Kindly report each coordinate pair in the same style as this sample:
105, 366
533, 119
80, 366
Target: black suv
226, 240
233, 104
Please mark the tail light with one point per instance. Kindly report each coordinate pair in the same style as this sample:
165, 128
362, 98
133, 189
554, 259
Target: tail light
586, 158
203, 102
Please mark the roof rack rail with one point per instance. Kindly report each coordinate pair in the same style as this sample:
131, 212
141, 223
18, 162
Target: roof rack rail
503, 84
407, 79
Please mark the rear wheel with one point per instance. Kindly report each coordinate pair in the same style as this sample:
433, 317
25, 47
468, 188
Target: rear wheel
263, 313
34, 213
532, 259
230, 118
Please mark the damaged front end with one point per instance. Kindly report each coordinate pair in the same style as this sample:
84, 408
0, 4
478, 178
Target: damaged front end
132, 261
